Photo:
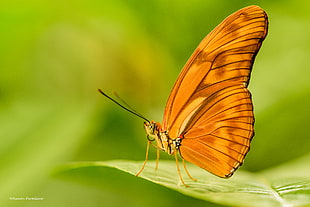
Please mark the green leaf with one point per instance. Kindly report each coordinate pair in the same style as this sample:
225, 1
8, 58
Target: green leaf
287, 185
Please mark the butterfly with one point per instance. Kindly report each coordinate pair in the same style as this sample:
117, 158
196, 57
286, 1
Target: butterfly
208, 119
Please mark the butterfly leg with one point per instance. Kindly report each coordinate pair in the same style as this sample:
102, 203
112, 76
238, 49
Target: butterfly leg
187, 172
146, 157
179, 171
157, 158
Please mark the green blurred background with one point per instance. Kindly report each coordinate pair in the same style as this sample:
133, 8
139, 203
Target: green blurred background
56, 54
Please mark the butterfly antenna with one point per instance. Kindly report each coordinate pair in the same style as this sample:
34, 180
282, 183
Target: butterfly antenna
125, 103
128, 108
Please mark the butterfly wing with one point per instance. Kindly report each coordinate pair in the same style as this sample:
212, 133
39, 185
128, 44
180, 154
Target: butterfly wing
210, 107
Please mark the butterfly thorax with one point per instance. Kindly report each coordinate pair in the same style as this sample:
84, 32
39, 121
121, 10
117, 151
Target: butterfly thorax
163, 141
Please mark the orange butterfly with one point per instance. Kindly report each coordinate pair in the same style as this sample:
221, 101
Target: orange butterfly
209, 118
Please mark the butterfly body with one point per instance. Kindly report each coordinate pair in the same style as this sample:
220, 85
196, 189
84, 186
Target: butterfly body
163, 141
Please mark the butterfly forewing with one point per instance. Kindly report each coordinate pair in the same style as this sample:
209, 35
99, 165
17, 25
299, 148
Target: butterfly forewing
210, 107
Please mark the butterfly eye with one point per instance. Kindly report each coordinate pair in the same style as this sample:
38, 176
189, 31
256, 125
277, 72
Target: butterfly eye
150, 128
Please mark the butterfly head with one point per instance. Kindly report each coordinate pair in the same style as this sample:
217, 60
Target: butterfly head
163, 141
152, 130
